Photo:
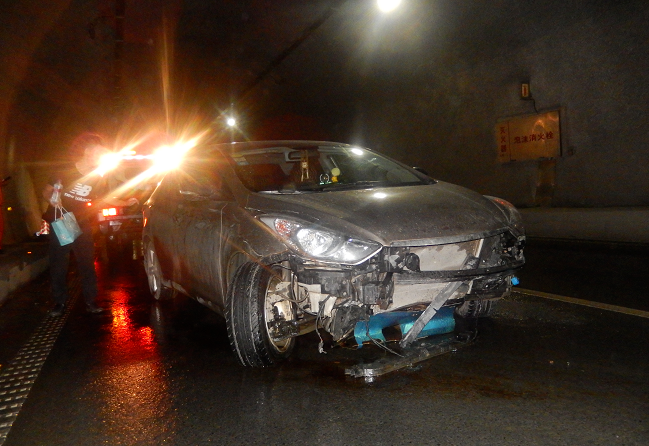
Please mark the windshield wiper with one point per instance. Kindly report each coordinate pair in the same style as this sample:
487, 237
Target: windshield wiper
356, 185
344, 186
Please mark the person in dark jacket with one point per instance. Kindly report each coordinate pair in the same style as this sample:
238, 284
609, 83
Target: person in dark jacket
77, 187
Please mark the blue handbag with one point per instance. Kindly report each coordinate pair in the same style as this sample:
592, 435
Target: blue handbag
65, 226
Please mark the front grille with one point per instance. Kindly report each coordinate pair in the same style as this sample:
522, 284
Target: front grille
491, 253
447, 257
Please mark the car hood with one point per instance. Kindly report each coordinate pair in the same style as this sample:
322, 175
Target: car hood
425, 214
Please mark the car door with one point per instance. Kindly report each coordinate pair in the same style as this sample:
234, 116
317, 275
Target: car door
164, 226
206, 215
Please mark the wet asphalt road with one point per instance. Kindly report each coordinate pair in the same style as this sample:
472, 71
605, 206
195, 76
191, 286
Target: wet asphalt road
541, 372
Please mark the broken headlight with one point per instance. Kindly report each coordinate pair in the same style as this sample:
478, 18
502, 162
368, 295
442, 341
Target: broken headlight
511, 213
320, 244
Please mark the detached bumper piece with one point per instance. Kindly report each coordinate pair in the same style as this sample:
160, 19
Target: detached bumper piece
418, 351
443, 322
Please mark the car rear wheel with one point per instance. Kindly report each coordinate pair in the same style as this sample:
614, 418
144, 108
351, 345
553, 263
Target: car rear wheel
254, 305
154, 275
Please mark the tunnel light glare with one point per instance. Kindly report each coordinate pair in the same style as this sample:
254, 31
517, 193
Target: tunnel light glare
388, 5
356, 151
231, 122
380, 195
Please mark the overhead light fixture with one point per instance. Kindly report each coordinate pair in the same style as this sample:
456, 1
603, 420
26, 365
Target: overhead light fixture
388, 5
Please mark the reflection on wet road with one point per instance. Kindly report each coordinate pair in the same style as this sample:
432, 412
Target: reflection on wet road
133, 385
541, 372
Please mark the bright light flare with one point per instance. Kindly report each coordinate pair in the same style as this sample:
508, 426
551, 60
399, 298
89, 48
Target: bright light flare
165, 158
169, 157
231, 122
108, 162
388, 5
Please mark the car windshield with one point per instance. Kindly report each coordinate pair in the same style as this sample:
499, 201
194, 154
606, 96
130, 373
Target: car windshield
316, 168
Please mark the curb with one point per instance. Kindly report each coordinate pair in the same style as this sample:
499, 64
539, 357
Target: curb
20, 264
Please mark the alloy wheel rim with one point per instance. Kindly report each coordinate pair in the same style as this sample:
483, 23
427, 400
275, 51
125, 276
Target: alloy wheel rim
275, 300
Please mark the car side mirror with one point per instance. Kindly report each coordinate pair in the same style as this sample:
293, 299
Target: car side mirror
427, 178
421, 170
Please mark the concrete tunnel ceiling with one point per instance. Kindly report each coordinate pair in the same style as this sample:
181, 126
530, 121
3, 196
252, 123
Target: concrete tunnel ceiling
66, 60
424, 84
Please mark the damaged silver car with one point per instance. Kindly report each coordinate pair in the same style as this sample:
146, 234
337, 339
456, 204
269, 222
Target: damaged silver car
286, 237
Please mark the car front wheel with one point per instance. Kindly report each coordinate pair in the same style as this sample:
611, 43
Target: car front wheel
255, 304
475, 308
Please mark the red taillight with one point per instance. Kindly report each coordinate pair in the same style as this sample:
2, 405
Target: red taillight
109, 211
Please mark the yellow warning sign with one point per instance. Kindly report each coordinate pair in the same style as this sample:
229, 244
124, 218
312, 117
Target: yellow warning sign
529, 137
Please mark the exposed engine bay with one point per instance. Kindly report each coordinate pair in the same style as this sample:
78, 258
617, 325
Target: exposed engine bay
398, 278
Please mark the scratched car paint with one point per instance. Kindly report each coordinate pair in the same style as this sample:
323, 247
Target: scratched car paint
286, 237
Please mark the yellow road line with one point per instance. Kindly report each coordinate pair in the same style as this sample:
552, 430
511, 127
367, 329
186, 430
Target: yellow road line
586, 303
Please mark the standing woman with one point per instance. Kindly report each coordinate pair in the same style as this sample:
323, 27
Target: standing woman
75, 187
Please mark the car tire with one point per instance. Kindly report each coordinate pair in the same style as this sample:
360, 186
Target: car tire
154, 275
249, 309
475, 308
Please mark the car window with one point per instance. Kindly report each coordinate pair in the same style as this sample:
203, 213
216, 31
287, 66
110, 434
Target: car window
318, 168
202, 177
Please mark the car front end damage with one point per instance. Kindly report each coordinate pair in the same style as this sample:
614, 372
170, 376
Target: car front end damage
295, 236
418, 286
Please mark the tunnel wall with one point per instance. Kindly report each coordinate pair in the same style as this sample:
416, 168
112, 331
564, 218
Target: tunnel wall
590, 65
611, 224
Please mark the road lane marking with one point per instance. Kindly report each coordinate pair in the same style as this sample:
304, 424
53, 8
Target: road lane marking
585, 303
17, 379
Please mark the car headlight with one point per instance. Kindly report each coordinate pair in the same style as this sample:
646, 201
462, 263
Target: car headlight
511, 213
320, 244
